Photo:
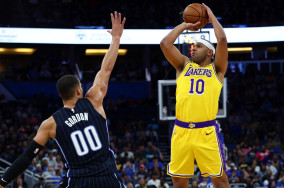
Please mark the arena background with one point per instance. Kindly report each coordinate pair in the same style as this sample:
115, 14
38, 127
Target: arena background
252, 131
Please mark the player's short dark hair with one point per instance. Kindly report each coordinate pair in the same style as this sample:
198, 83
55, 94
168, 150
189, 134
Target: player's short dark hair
66, 86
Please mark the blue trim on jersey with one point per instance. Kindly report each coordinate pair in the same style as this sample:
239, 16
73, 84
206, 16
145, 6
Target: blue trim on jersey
216, 73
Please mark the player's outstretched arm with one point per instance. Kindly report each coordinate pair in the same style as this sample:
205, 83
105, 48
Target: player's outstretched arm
98, 91
221, 56
46, 130
170, 51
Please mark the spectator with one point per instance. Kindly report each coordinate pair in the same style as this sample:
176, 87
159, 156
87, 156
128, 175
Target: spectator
152, 151
129, 185
59, 161
194, 184
51, 160
154, 180
40, 183
270, 167
141, 183
20, 183
280, 181
142, 173
153, 125
38, 169
49, 173
261, 155
156, 166
44, 164
276, 162
163, 184
129, 169
127, 154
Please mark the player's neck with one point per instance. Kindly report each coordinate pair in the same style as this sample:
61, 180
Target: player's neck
204, 63
70, 103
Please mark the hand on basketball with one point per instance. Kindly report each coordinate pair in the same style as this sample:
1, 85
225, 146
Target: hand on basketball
209, 12
117, 25
191, 26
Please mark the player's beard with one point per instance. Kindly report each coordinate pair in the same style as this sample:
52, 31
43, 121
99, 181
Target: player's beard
198, 58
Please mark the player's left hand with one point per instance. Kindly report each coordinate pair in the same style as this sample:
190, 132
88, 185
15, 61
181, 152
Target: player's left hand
191, 26
210, 13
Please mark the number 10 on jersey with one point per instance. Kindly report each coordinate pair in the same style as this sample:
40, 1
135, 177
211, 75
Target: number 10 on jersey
196, 86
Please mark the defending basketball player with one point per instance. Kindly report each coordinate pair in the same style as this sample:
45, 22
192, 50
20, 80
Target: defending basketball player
80, 128
195, 134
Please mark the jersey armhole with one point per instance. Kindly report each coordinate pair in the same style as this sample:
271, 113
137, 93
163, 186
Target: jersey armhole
87, 99
213, 66
183, 69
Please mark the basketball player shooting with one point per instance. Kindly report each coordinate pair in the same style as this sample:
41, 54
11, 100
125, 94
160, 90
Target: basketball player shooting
195, 133
80, 128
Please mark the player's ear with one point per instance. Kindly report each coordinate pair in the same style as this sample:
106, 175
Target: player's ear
210, 53
78, 91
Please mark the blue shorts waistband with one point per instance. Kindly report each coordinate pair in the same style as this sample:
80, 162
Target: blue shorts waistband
195, 125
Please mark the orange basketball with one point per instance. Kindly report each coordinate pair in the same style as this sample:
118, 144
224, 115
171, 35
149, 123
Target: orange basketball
195, 12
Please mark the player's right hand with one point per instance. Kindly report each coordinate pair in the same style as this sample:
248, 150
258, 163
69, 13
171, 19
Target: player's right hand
117, 25
191, 26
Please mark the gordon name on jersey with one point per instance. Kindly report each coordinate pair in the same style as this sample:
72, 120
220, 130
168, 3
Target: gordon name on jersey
76, 118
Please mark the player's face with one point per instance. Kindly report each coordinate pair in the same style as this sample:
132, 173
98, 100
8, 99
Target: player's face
199, 52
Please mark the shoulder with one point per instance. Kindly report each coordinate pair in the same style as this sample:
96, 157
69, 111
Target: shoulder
94, 95
185, 62
181, 68
96, 104
218, 74
46, 130
48, 122
48, 125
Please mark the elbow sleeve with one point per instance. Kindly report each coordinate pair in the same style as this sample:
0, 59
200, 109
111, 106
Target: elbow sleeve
21, 163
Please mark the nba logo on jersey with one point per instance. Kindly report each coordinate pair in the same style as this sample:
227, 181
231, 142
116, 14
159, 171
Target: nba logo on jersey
36, 150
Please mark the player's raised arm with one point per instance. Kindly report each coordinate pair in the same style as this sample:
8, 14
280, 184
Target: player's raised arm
46, 131
98, 91
170, 51
221, 56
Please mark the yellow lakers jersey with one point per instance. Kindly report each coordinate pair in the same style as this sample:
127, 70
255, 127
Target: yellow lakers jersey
197, 93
